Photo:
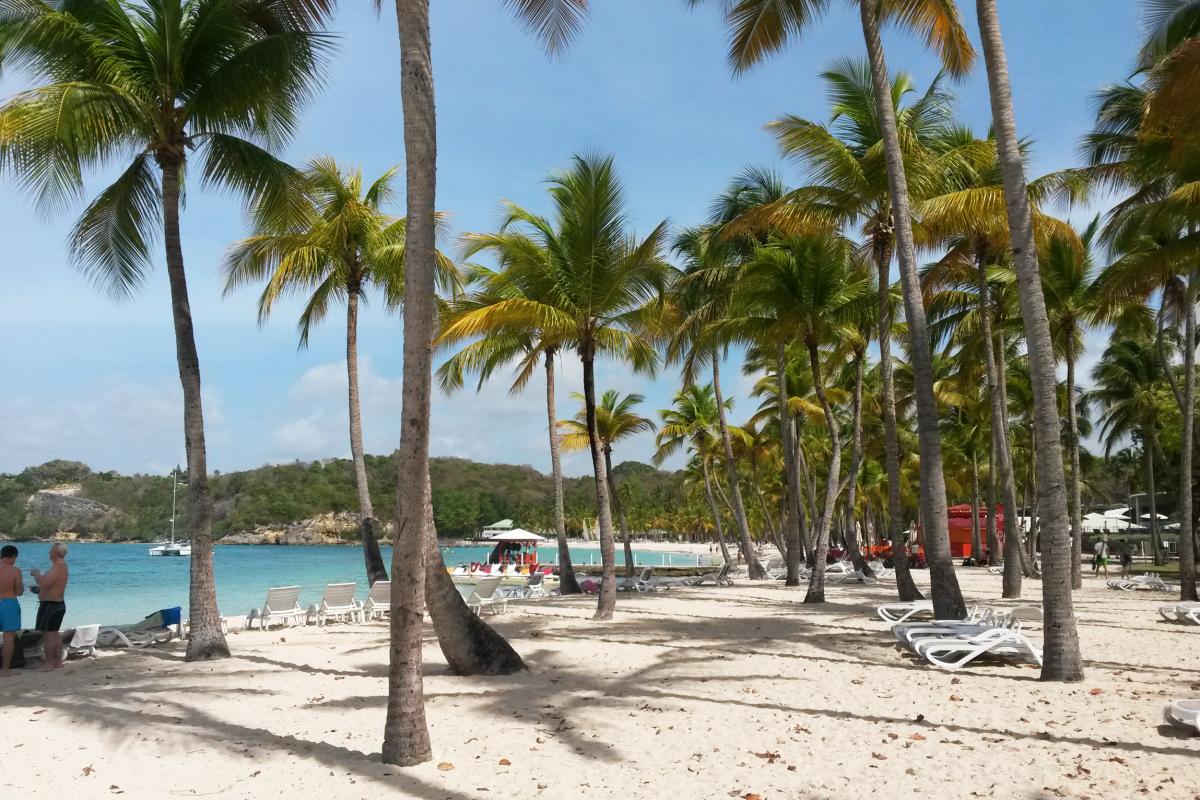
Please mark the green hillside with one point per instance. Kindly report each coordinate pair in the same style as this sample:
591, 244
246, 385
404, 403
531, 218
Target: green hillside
466, 496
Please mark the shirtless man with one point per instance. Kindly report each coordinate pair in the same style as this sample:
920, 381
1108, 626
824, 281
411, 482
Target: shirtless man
52, 588
11, 587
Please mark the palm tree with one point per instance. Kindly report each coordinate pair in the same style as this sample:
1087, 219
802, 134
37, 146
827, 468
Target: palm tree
1073, 304
335, 244
599, 291
761, 27
702, 295
692, 422
1129, 386
615, 420
849, 184
164, 83
484, 356
805, 287
1062, 659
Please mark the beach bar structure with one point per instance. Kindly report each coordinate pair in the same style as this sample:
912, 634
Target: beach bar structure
960, 528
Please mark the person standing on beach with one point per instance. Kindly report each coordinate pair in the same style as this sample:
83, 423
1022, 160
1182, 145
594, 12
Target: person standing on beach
1126, 558
52, 607
11, 587
1101, 551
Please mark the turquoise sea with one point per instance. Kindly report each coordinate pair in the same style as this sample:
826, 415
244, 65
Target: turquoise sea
118, 583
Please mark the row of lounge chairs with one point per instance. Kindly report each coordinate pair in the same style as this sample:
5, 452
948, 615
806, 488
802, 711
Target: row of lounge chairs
953, 644
282, 606
1148, 582
1186, 612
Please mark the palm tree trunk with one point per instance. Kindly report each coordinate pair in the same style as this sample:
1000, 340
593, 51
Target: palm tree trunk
566, 570
976, 544
405, 733
896, 532
816, 583
947, 598
1151, 444
993, 541
376, 571
1076, 493
856, 555
793, 536
756, 571
716, 512
470, 645
768, 518
606, 603
206, 640
1062, 660
993, 357
615, 493
1187, 550
808, 479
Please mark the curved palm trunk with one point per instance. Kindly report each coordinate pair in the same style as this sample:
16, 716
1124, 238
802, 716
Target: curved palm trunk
897, 533
405, 733
768, 519
1187, 544
947, 598
615, 494
816, 583
793, 537
566, 570
993, 357
716, 512
731, 473
470, 645
1062, 660
1076, 493
606, 603
809, 534
851, 535
206, 640
376, 571
976, 543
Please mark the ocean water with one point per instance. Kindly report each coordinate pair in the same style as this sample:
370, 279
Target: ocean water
113, 584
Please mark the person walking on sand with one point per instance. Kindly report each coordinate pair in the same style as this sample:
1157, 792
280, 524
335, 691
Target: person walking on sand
52, 607
11, 587
1126, 558
1101, 551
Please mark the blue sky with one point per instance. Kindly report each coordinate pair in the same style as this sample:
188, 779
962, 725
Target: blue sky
94, 380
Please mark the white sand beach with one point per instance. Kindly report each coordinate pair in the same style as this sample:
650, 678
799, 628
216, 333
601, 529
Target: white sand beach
688, 693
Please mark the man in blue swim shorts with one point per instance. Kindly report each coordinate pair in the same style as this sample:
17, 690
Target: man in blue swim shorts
11, 587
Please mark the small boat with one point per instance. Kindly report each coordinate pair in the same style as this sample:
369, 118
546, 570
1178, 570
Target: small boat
172, 548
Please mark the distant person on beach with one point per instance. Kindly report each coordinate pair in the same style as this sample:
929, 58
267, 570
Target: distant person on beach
1126, 558
1101, 551
51, 591
11, 587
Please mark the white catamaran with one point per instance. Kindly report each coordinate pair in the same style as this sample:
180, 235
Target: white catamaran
172, 548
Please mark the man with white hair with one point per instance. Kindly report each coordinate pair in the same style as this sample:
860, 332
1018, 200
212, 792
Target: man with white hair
51, 591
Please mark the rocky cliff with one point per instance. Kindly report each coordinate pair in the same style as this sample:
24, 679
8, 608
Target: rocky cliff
65, 512
333, 528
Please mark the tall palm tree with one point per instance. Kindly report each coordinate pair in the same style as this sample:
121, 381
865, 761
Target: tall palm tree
1069, 284
849, 184
692, 422
615, 420
154, 87
1062, 660
805, 287
599, 291
712, 265
486, 355
337, 243
759, 28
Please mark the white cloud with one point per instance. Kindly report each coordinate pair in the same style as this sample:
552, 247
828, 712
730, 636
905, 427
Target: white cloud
110, 424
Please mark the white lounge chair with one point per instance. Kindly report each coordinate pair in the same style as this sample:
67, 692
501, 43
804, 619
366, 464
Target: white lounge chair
338, 604
857, 576
535, 586
1148, 582
956, 652
717, 577
379, 600
638, 583
483, 595
1184, 713
1181, 612
83, 642
996, 570
282, 606
900, 612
